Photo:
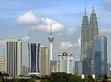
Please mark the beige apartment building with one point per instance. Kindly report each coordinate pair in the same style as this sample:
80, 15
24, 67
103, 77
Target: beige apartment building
44, 60
2, 64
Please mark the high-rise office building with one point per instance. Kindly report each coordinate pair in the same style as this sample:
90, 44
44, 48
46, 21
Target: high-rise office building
82, 67
34, 50
93, 31
89, 31
44, 60
13, 58
2, 64
100, 55
84, 36
65, 63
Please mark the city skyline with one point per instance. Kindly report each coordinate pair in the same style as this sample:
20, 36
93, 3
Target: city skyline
30, 21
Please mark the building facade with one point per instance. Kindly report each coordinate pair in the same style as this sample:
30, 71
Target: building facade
34, 53
81, 67
109, 69
2, 64
44, 61
78, 68
13, 58
89, 31
24, 70
100, 52
65, 63
84, 36
53, 66
97, 63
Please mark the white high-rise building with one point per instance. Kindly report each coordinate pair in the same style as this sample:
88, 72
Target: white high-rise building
65, 63
13, 56
2, 64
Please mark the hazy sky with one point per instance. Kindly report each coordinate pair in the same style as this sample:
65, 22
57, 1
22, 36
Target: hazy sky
30, 20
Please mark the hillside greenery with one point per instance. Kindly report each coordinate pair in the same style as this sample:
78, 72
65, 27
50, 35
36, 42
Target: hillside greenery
56, 77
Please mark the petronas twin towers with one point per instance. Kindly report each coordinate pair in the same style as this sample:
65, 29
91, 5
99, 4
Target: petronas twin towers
89, 31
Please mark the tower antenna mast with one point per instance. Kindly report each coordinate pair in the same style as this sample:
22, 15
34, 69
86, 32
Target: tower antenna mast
93, 3
85, 5
50, 29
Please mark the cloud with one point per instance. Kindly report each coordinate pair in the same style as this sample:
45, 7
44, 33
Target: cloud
28, 18
47, 23
78, 43
42, 27
2, 42
71, 31
36, 23
105, 31
25, 38
65, 45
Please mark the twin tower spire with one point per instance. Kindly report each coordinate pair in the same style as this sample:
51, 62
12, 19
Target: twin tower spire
89, 31
93, 10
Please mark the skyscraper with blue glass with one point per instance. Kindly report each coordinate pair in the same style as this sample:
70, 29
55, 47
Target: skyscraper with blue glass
100, 55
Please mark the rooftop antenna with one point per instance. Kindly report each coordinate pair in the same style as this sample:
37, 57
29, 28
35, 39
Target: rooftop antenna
51, 29
93, 11
85, 9
93, 3
85, 5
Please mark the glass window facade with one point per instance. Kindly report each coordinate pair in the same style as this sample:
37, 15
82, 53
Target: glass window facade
33, 57
100, 55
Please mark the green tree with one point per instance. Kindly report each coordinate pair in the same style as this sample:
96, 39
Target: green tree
74, 78
34, 77
1, 76
59, 77
105, 78
44, 80
89, 79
